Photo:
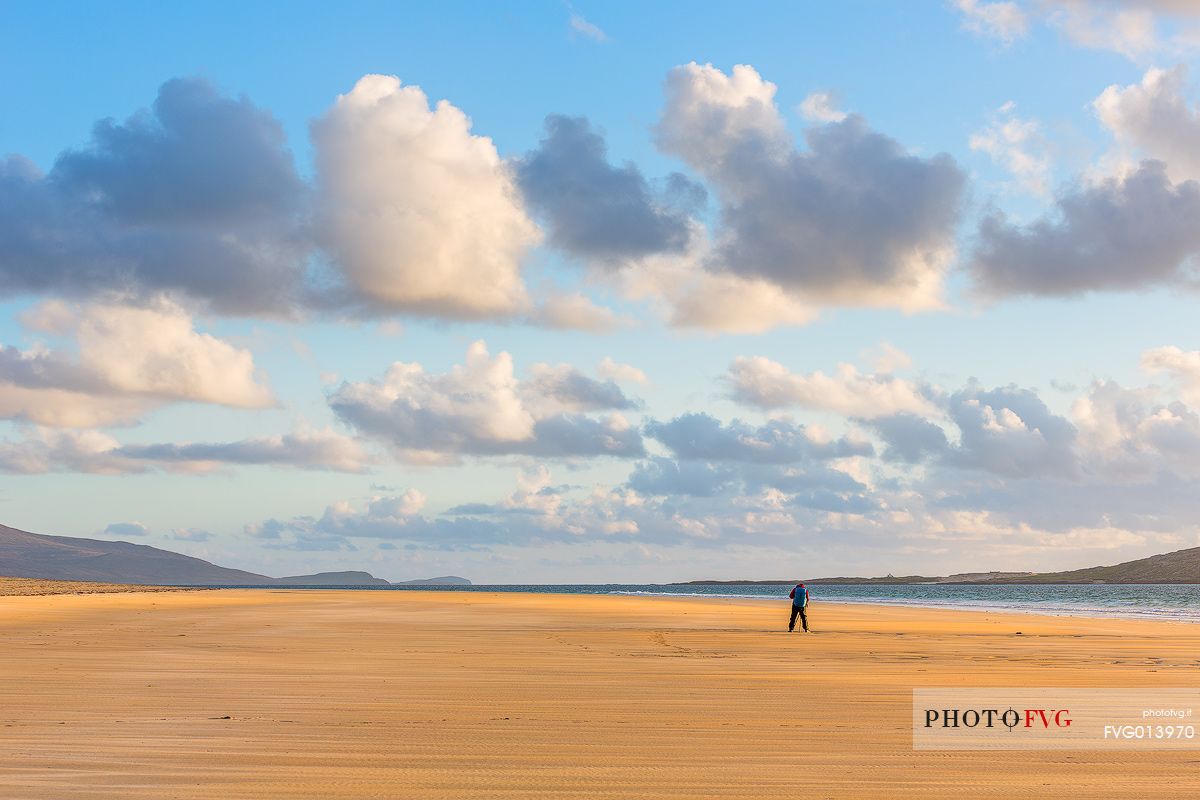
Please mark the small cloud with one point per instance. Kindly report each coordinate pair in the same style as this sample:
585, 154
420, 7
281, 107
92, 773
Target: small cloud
302, 349
621, 373
1018, 146
1003, 21
126, 529
390, 328
581, 27
889, 358
190, 535
575, 311
821, 107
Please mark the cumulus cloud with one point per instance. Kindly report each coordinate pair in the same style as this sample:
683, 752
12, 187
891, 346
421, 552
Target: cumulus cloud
1018, 146
44, 450
909, 438
420, 215
391, 518
677, 503
1182, 365
197, 195
698, 436
554, 388
1005, 21
1011, 432
1155, 118
762, 383
482, 408
665, 476
593, 209
198, 198
855, 219
1129, 232
130, 359
1139, 435
1003, 477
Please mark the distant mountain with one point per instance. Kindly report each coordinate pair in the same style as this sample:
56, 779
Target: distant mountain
445, 580
350, 578
1181, 566
66, 558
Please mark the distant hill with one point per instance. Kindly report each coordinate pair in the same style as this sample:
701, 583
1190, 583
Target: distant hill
445, 580
66, 558
1181, 566
351, 578
63, 558
966, 577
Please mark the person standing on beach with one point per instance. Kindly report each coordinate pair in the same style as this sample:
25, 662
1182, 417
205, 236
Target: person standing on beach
799, 597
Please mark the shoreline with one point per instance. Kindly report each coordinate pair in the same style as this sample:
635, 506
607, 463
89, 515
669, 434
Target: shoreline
1098, 612
19, 587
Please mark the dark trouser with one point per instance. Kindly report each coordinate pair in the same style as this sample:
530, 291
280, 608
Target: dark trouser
803, 619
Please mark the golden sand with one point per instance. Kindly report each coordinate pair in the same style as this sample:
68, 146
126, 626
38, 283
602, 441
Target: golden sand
11, 587
345, 694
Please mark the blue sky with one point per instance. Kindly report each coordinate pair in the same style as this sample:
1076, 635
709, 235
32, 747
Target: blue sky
910, 289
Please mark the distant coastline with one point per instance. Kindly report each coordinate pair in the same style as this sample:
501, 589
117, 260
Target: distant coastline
1178, 567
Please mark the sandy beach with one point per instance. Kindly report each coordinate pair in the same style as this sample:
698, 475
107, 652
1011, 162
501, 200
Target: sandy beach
16, 587
343, 694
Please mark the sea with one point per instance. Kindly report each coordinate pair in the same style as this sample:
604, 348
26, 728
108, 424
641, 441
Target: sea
1138, 601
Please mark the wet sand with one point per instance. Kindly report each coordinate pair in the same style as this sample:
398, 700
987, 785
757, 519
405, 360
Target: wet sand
352, 694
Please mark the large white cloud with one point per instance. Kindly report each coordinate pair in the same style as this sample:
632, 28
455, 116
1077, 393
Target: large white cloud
1182, 365
1128, 232
130, 359
419, 214
482, 408
197, 195
854, 219
1011, 432
1155, 118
